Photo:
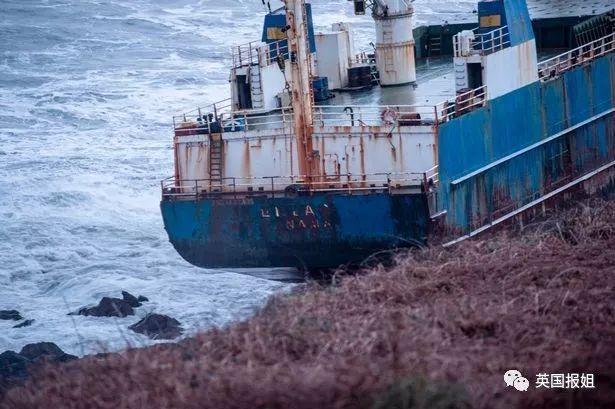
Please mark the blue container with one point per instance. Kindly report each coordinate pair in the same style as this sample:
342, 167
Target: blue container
234, 125
277, 20
321, 89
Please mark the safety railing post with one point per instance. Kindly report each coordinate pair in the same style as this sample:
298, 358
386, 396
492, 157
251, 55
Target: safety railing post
277, 50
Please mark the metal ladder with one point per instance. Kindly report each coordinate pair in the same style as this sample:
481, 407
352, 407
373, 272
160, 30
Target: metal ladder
461, 76
435, 45
256, 87
215, 161
387, 38
375, 75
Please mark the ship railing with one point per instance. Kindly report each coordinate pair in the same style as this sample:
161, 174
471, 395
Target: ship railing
481, 43
554, 67
463, 103
284, 186
433, 175
245, 54
258, 53
269, 53
384, 115
280, 118
363, 58
198, 122
205, 115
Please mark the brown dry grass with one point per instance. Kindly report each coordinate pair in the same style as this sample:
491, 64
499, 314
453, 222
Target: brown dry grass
437, 331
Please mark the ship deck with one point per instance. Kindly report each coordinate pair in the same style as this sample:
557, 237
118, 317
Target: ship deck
433, 90
435, 84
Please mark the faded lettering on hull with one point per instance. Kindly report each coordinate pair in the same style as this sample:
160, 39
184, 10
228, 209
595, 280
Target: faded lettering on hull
306, 218
319, 231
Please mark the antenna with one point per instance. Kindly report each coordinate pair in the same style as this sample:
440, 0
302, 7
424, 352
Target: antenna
267, 5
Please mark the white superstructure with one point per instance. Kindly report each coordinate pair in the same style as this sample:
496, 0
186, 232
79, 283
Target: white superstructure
334, 53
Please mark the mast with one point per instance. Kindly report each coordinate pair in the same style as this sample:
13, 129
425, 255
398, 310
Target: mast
301, 87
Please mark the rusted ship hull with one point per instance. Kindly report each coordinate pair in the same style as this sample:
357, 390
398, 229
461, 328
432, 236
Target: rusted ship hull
562, 136
321, 186
312, 232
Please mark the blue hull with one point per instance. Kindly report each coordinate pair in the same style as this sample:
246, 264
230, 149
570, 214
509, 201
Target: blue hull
491, 165
493, 168
312, 232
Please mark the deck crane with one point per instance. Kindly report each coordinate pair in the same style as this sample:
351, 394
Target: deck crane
394, 39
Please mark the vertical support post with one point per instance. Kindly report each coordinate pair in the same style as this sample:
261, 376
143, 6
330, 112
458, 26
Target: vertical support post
302, 96
176, 165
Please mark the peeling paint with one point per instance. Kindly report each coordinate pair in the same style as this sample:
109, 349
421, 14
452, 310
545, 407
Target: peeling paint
546, 109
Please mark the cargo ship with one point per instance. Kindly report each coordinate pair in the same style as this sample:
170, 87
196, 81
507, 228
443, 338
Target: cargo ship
324, 155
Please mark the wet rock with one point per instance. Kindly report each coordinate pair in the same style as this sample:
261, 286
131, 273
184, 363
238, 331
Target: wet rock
45, 350
12, 365
131, 299
8, 315
142, 299
157, 326
109, 307
24, 324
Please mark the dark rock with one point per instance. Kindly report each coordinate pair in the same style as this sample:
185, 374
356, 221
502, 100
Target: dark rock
26, 323
10, 315
13, 365
157, 326
131, 299
142, 299
109, 307
45, 350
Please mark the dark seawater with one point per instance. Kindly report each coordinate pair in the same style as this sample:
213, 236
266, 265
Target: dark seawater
87, 91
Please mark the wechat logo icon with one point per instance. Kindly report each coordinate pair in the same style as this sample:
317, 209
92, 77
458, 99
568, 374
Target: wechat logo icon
516, 380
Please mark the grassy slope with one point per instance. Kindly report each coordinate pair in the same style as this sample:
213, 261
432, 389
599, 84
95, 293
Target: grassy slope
437, 331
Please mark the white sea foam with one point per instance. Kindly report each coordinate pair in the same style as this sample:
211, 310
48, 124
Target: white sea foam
88, 90
85, 138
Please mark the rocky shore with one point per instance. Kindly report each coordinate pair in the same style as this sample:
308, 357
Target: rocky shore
438, 330
15, 367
